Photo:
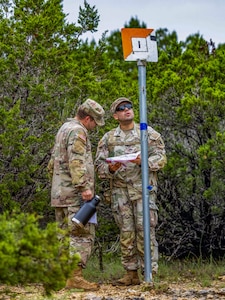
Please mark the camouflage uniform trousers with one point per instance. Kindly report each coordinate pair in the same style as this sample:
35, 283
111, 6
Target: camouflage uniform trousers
81, 239
127, 210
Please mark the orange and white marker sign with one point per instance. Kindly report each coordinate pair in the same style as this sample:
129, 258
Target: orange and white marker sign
139, 44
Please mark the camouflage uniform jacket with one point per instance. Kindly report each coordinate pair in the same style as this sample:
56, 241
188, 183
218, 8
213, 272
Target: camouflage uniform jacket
117, 142
71, 164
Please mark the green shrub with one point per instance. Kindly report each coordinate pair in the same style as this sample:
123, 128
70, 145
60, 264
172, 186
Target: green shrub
29, 254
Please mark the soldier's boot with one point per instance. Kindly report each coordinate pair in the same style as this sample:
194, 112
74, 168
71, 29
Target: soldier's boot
76, 281
130, 278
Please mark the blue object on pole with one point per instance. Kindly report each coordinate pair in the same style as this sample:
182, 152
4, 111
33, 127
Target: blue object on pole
143, 126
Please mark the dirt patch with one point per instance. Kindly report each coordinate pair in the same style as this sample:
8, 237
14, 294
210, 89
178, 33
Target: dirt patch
146, 291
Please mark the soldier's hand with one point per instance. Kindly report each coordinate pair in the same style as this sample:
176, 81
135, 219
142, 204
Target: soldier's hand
87, 195
114, 167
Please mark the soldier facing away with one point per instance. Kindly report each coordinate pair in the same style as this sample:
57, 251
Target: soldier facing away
72, 170
126, 183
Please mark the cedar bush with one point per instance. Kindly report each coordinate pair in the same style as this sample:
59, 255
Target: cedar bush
29, 254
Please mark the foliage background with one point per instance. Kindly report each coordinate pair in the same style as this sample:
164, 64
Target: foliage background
47, 71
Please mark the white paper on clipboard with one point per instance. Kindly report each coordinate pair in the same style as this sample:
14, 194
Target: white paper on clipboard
123, 158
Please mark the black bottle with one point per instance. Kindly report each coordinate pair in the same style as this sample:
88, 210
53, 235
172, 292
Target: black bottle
86, 211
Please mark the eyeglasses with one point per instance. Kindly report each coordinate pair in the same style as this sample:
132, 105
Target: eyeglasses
122, 107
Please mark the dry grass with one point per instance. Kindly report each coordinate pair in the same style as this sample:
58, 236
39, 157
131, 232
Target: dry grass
174, 280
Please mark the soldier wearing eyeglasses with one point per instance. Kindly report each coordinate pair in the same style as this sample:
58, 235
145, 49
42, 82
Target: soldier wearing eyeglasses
126, 187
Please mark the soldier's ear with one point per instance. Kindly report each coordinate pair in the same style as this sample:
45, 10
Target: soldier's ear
115, 116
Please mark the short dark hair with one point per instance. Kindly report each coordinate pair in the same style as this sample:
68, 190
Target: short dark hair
81, 113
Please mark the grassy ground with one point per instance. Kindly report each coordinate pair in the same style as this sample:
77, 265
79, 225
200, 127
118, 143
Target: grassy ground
186, 275
202, 271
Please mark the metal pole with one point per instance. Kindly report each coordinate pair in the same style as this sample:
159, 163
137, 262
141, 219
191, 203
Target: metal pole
144, 168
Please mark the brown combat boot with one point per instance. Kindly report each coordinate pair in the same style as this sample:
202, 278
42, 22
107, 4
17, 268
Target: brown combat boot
130, 278
76, 281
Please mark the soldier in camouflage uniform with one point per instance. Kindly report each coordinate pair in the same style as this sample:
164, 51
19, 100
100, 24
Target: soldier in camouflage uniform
126, 182
72, 169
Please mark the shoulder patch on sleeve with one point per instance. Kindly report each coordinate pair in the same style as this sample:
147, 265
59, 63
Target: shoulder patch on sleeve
81, 136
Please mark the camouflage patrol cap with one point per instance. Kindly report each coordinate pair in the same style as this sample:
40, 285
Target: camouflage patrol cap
94, 110
117, 102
